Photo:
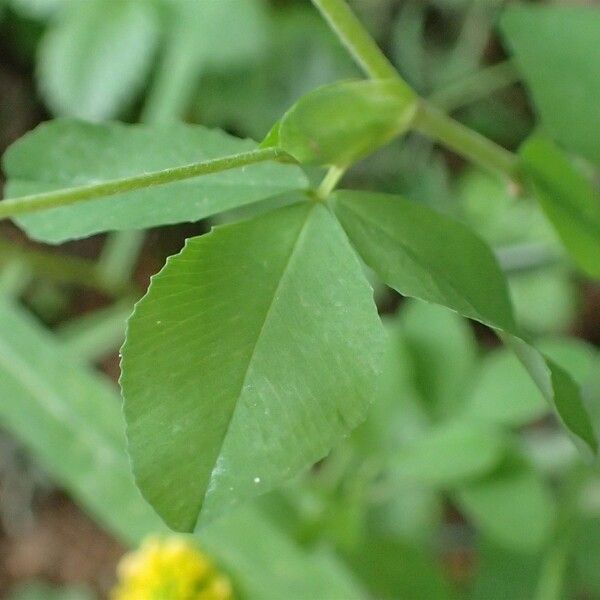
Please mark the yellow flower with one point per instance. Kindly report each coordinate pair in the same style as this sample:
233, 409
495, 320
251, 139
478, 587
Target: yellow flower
169, 569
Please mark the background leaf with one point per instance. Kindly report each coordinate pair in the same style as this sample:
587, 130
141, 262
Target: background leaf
202, 37
41, 591
554, 48
568, 200
504, 393
71, 420
513, 507
267, 564
95, 60
504, 573
543, 294
396, 570
234, 403
301, 55
84, 153
451, 452
443, 351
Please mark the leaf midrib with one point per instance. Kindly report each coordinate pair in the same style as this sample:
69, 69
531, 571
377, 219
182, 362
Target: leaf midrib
281, 279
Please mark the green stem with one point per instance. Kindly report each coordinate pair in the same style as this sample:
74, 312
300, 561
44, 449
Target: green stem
526, 257
553, 571
37, 202
464, 141
329, 182
178, 73
475, 86
15, 276
119, 257
97, 334
60, 268
357, 40
428, 120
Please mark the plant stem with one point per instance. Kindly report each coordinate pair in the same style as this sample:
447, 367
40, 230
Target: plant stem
96, 334
428, 120
60, 268
37, 202
179, 70
329, 182
526, 257
464, 141
15, 276
119, 257
475, 86
357, 40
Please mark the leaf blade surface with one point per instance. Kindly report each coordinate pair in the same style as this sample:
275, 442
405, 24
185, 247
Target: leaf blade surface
270, 387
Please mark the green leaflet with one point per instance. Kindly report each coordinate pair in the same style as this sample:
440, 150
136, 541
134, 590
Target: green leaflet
557, 387
70, 419
424, 254
253, 352
96, 58
556, 49
339, 123
84, 153
568, 200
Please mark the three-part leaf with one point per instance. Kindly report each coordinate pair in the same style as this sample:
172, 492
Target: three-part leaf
568, 200
254, 350
83, 153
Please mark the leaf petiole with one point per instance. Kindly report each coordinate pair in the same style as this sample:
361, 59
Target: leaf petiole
64, 197
329, 182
